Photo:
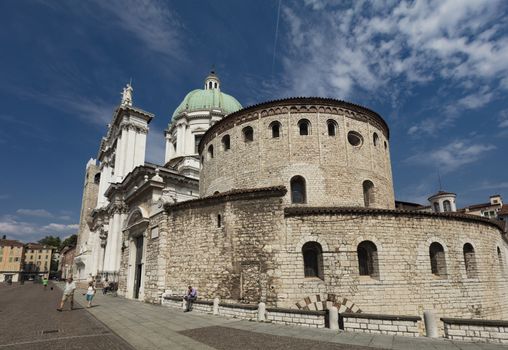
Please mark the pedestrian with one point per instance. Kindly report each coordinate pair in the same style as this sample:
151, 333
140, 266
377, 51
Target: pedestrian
90, 294
68, 294
45, 282
192, 295
105, 286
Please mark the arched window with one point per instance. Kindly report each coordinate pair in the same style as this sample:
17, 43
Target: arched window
248, 134
304, 126
386, 145
312, 259
368, 193
298, 194
226, 143
447, 206
97, 178
219, 220
275, 126
332, 127
210, 152
354, 138
500, 260
436, 207
469, 260
367, 259
437, 259
210, 85
375, 139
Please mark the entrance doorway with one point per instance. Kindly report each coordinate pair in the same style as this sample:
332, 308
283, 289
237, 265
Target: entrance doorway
138, 266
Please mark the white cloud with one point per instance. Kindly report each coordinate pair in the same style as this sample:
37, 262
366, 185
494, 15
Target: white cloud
28, 231
155, 146
384, 49
150, 21
452, 156
41, 213
60, 228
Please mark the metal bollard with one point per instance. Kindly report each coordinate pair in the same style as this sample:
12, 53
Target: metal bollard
430, 324
261, 312
333, 318
216, 306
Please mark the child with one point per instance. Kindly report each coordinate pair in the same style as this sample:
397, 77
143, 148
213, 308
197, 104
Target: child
90, 293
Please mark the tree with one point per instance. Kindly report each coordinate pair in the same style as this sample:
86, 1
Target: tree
70, 241
53, 241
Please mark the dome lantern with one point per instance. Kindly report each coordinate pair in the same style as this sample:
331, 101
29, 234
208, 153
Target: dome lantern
212, 81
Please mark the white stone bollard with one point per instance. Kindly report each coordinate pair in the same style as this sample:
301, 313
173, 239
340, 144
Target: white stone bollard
430, 324
261, 312
333, 318
184, 304
216, 306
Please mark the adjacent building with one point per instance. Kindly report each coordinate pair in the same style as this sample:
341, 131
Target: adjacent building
66, 266
37, 258
11, 260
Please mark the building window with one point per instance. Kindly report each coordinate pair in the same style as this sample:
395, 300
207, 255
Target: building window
219, 220
332, 127
436, 207
367, 259
500, 259
375, 139
275, 126
226, 143
304, 126
447, 206
437, 259
368, 193
312, 260
97, 178
354, 138
469, 260
210, 152
197, 140
386, 145
248, 134
298, 195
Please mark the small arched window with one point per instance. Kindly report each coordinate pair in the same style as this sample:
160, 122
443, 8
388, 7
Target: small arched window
437, 260
375, 139
210, 85
304, 126
436, 207
332, 127
368, 193
367, 259
312, 260
447, 206
500, 260
298, 195
226, 143
248, 134
469, 260
210, 152
219, 220
97, 178
275, 126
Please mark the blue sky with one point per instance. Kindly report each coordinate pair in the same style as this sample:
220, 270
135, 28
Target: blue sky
437, 71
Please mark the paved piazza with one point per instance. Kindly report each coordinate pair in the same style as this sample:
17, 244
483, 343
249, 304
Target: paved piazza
29, 320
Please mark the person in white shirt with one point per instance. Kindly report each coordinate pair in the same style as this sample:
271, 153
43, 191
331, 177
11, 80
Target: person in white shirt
68, 294
90, 293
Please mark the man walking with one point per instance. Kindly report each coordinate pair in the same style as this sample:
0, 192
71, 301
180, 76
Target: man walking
68, 294
191, 296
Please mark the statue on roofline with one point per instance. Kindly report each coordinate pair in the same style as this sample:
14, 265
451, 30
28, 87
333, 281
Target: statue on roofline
127, 95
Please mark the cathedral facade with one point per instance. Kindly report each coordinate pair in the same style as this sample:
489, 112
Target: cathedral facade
288, 202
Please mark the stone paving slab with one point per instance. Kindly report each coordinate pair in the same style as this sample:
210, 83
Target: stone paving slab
29, 320
170, 328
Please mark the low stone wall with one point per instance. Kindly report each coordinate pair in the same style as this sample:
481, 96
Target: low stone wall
297, 317
381, 324
250, 312
489, 331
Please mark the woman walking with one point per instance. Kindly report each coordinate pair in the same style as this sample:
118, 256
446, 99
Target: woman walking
90, 293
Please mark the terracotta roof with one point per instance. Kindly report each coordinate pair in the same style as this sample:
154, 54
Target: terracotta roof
482, 205
503, 210
10, 242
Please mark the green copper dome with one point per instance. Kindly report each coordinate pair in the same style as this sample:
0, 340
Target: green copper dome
198, 100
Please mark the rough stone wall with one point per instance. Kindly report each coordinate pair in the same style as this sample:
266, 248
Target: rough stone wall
88, 203
334, 170
235, 261
393, 326
405, 285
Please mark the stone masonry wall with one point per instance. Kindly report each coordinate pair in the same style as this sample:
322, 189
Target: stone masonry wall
382, 324
334, 170
405, 285
476, 330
